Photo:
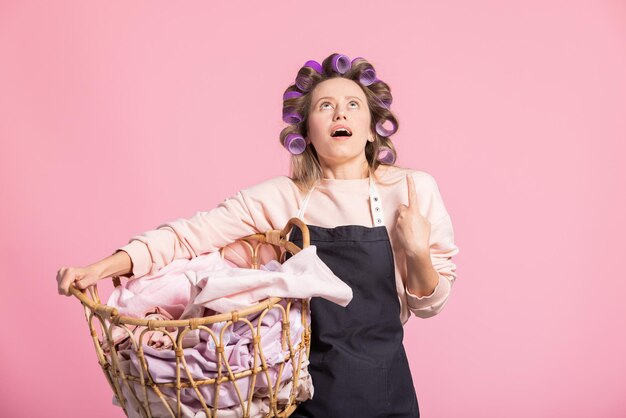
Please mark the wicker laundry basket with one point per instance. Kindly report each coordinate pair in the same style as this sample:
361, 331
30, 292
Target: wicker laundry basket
141, 396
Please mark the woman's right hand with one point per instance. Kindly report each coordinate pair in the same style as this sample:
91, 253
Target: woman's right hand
82, 277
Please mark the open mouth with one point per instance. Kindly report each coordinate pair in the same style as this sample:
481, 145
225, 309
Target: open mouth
341, 132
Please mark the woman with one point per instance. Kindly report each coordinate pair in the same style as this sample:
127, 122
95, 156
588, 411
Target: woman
381, 228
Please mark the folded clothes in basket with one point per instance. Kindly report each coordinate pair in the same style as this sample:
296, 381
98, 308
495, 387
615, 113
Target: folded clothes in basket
206, 285
202, 362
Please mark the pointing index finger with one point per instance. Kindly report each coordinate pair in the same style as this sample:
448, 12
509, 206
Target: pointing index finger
412, 195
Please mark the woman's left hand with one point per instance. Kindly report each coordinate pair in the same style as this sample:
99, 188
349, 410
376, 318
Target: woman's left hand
413, 229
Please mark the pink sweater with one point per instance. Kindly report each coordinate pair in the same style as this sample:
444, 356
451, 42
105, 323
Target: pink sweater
271, 203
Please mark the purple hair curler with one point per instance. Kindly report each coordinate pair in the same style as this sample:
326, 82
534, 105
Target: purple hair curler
354, 60
341, 63
385, 155
315, 65
291, 94
291, 116
303, 82
382, 131
368, 76
381, 102
295, 143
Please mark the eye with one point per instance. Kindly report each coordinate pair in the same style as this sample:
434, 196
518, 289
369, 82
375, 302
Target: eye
325, 103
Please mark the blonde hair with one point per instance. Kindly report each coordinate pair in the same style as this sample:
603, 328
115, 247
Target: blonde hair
305, 168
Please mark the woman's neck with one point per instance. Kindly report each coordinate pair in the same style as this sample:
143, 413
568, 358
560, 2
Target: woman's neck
346, 171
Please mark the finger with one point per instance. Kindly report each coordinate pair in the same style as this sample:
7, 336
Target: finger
412, 195
85, 281
79, 284
64, 286
60, 274
61, 279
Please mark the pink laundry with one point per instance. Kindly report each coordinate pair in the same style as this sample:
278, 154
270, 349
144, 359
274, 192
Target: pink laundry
168, 288
302, 276
202, 361
208, 284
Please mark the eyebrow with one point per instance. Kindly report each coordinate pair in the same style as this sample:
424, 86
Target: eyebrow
347, 97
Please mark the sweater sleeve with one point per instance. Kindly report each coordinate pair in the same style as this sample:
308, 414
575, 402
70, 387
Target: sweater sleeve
442, 249
187, 238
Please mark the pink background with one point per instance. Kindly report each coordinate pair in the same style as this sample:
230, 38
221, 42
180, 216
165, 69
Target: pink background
117, 116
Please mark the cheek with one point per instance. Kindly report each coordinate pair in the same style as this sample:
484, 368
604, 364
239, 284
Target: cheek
316, 125
364, 127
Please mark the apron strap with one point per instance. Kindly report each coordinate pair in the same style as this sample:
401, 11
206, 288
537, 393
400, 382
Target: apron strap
304, 203
376, 206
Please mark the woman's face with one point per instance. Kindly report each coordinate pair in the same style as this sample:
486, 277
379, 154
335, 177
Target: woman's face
338, 102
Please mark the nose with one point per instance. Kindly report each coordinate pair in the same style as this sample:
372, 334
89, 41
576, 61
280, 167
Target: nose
339, 113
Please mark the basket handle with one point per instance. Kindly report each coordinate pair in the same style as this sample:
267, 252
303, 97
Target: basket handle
306, 241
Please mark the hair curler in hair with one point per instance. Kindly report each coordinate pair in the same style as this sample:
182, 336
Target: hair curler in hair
291, 116
382, 131
341, 63
295, 143
385, 155
291, 94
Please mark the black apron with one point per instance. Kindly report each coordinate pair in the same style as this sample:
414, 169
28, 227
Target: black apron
357, 361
